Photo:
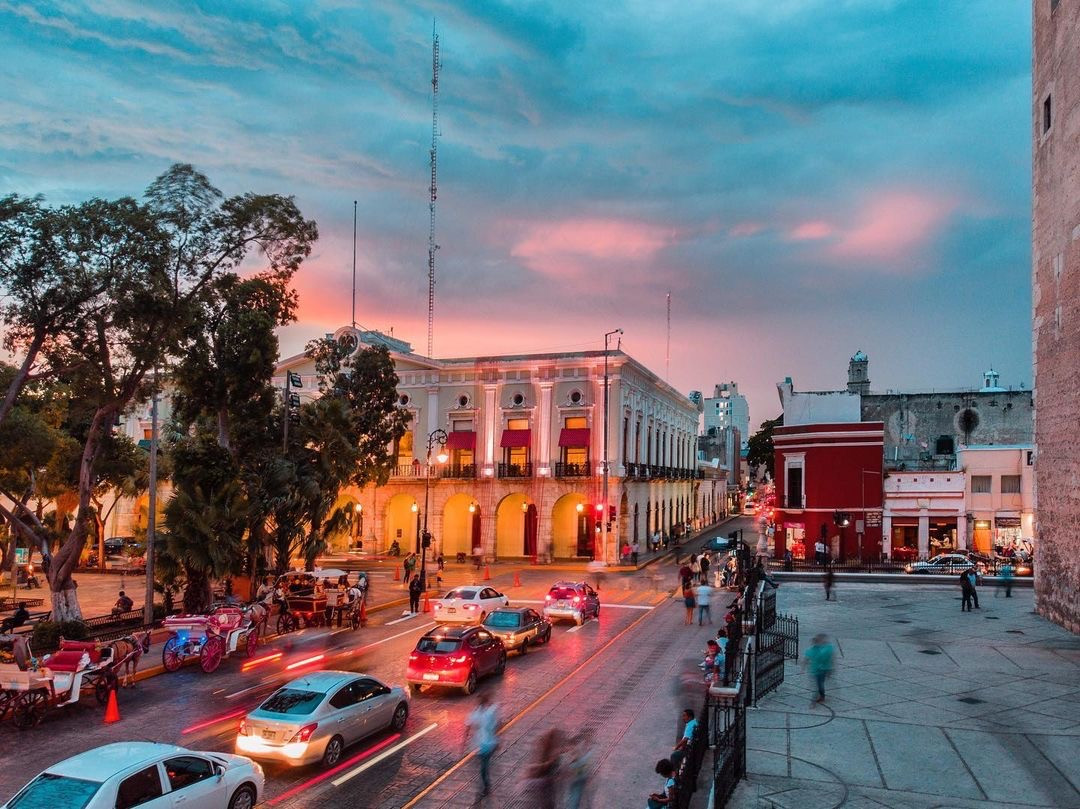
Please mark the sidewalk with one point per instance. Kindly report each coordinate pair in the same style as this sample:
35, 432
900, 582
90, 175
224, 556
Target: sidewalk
928, 706
630, 693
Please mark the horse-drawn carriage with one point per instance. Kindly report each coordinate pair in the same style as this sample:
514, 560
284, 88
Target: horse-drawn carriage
312, 598
30, 688
225, 631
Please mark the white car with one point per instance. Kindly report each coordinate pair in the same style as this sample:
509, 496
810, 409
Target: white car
468, 605
145, 775
945, 564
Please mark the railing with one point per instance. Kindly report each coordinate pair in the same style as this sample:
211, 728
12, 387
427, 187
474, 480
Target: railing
572, 470
988, 567
515, 470
686, 775
414, 470
727, 732
939, 463
462, 471
9, 603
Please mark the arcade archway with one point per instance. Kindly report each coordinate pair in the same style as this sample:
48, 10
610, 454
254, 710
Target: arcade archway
571, 527
510, 524
461, 526
400, 523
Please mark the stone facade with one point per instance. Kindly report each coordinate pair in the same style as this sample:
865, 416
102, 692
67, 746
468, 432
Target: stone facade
1055, 119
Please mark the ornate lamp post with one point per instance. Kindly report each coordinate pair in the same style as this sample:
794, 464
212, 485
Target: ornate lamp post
436, 438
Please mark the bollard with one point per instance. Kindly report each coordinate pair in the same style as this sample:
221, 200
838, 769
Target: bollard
517, 578
397, 572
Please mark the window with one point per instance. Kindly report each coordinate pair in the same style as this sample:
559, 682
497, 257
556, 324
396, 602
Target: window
56, 790
463, 400
438, 645
980, 484
346, 696
1046, 114
1010, 484
576, 397
794, 487
405, 449
366, 688
292, 701
143, 786
187, 770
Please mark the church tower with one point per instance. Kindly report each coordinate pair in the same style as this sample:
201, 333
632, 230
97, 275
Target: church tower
858, 374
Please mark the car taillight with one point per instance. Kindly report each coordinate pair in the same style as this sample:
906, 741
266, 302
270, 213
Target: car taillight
577, 599
243, 728
414, 656
547, 597
459, 658
470, 606
305, 733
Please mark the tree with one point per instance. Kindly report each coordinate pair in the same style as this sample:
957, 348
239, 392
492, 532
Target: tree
158, 263
760, 446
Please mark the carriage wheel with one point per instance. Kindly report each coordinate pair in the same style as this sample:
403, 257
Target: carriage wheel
103, 685
7, 702
286, 623
171, 656
29, 709
252, 643
211, 653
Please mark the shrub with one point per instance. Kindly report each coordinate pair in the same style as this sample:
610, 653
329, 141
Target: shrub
47, 634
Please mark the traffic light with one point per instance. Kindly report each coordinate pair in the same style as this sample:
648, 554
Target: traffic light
425, 541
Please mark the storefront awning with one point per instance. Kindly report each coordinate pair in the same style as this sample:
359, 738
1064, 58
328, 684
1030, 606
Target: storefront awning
574, 437
461, 439
516, 438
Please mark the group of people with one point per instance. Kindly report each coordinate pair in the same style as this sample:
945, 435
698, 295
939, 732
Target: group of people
560, 768
667, 768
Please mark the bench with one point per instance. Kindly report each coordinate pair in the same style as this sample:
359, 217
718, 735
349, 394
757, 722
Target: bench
34, 619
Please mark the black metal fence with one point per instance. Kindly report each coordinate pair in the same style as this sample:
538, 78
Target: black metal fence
686, 776
727, 734
768, 664
988, 566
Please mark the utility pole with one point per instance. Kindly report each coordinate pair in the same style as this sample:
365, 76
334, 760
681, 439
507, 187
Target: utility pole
606, 517
151, 517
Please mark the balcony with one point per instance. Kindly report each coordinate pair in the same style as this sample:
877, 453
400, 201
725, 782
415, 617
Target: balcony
572, 470
414, 470
515, 470
460, 471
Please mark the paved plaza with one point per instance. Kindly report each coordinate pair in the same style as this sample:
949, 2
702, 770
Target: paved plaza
928, 706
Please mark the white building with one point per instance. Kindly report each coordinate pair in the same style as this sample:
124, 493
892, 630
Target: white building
728, 408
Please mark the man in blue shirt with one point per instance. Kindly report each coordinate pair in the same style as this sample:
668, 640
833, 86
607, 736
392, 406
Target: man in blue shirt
683, 745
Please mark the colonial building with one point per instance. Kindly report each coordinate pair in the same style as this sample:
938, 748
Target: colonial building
1055, 295
524, 440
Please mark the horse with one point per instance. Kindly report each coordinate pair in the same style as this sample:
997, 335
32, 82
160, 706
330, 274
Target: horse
257, 614
125, 654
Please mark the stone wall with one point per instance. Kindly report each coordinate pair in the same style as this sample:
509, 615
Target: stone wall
1055, 299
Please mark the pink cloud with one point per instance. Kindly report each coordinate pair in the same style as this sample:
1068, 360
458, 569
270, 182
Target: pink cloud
746, 229
894, 223
813, 230
575, 246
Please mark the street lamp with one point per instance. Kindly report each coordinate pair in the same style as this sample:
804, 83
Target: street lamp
436, 438
358, 524
604, 531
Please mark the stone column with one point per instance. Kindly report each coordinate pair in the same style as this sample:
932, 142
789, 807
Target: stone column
924, 533
962, 539
487, 436
543, 426
886, 535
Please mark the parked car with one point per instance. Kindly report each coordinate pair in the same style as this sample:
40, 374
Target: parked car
147, 775
114, 546
456, 656
945, 564
518, 627
574, 600
315, 717
467, 605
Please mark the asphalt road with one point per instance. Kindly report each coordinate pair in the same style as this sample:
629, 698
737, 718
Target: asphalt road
201, 711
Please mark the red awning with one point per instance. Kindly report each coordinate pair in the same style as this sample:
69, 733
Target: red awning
516, 438
574, 437
461, 439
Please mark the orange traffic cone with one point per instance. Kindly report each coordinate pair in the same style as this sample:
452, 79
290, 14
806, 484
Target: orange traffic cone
487, 573
363, 612
427, 603
112, 710
397, 572
517, 578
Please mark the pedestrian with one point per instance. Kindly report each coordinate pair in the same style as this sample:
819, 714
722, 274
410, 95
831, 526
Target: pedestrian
578, 770
684, 574
789, 561
542, 777
1006, 579
480, 727
666, 797
635, 549
695, 565
973, 577
703, 594
704, 564
414, 594
478, 555
966, 591
688, 601
819, 657
625, 552
819, 552
656, 541
682, 747
441, 563
830, 580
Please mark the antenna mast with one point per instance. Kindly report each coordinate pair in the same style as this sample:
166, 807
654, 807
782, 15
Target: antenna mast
667, 353
432, 247
354, 264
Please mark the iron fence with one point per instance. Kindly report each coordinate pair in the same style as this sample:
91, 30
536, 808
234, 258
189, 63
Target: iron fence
768, 664
686, 776
727, 734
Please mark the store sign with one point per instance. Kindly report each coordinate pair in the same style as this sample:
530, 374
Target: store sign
1007, 522
22, 556
873, 519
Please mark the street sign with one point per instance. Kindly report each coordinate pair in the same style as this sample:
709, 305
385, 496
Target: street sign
873, 518
22, 556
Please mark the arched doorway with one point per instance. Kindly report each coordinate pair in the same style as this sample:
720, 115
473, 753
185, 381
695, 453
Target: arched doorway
460, 525
532, 525
571, 527
624, 520
400, 523
510, 517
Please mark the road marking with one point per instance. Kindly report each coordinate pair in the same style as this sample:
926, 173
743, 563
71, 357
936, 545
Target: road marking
430, 787
383, 755
392, 637
607, 605
579, 626
408, 617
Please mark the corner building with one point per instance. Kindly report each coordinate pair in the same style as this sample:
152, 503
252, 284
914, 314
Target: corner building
523, 479
1055, 119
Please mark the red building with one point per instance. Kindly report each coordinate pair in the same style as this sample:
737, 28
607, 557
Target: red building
827, 474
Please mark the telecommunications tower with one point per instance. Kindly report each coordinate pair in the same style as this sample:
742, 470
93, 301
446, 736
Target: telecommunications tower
432, 247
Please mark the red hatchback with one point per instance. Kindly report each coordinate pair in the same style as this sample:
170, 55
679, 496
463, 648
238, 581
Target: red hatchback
455, 656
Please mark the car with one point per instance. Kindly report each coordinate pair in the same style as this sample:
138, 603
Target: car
114, 546
574, 600
145, 774
467, 605
455, 656
315, 717
518, 627
945, 564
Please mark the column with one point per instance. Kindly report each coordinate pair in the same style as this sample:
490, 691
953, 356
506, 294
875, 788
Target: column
487, 447
886, 535
432, 412
924, 534
487, 533
961, 532
543, 426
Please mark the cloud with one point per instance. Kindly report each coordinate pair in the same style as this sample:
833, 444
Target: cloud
893, 224
811, 231
570, 248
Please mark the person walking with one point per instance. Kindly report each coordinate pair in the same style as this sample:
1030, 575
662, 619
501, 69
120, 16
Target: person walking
414, 594
688, 602
542, 778
578, 770
819, 658
830, 581
1006, 579
973, 577
480, 729
965, 592
703, 594
704, 564
635, 549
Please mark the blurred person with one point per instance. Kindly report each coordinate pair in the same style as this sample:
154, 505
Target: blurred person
578, 767
17, 618
415, 589
704, 565
966, 591
666, 797
543, 775
973, 577
688, 602
819, 659
1006, 575
123, 604
829, 581
703, 594
481, 726
635, 550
